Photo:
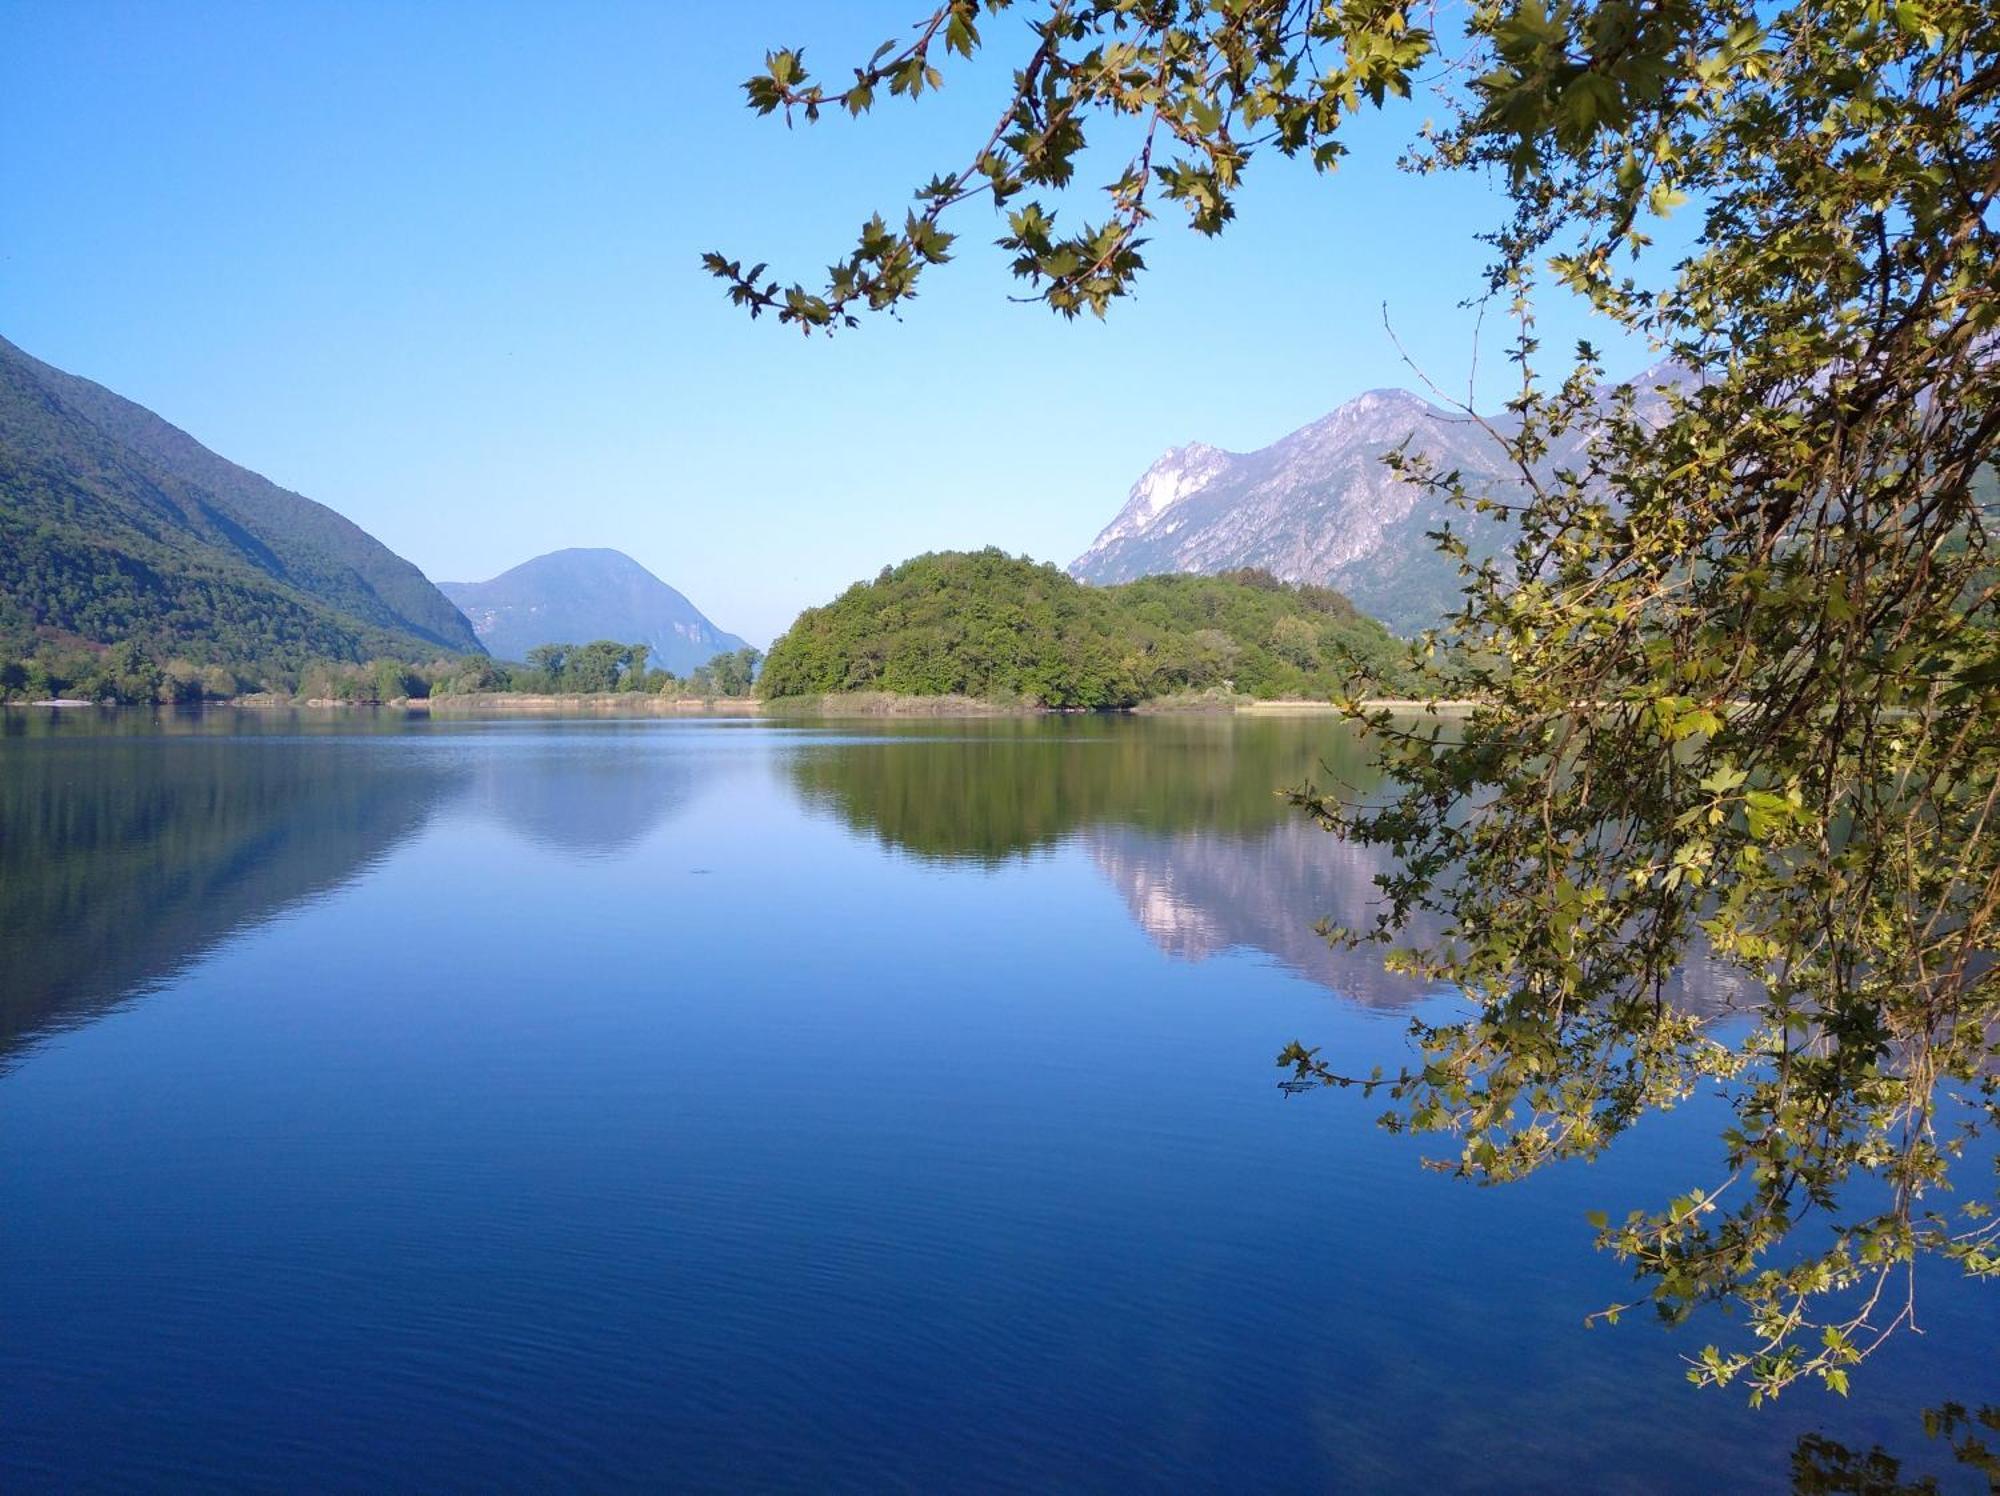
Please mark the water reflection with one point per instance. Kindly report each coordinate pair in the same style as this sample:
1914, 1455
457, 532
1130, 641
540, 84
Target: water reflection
133, 843
989, 792
582, 795
1200, 893
1823, 1466
129, 848
724, 1157
1183, 816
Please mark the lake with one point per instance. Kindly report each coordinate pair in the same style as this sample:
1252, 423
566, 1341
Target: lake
704, 1104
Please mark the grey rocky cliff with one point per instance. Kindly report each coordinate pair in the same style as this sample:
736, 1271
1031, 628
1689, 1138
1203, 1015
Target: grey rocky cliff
1321, 505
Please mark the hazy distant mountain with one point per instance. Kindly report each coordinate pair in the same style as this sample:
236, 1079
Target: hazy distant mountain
115, 524
1320, 506
575, 596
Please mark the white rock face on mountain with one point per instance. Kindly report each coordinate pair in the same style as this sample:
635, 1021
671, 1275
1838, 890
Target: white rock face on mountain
1320, 505
1182, 472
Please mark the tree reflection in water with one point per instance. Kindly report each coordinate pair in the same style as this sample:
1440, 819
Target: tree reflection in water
1183, 816
1825, 1467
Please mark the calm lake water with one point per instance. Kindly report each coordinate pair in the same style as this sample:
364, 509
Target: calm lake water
390, 1102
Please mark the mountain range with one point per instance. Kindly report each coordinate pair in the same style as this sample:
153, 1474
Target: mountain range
576, 596
116, 525
1320, 505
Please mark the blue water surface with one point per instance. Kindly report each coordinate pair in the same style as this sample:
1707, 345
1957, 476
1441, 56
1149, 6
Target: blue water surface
526, 1104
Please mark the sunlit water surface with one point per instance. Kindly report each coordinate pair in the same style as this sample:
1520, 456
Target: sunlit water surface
390, 1102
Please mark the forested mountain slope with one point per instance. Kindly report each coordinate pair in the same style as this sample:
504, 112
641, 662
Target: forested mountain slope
115, 525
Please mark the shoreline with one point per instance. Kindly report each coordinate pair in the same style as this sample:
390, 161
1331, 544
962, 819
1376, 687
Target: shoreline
890, 704
887, 704
856, 704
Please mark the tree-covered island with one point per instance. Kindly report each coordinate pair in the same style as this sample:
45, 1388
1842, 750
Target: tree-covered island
1001, 628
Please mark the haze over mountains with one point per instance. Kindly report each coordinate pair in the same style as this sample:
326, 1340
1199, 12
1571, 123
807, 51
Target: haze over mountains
1320, 506
576, 596
116, 525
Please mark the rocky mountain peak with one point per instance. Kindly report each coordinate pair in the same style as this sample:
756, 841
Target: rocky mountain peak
1318, 505
1178, 475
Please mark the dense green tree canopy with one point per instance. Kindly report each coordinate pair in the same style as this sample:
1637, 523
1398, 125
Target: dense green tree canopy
1740, 680
999, 627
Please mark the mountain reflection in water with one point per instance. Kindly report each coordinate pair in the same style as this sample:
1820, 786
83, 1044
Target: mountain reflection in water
1201, 893
126, 855
135, 844
132, 844
1185, 817
554, 1103
578, 795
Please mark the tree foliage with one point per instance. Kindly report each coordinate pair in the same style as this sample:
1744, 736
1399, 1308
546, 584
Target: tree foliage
601, 667
73, 584
132, 672
124, 673
732, 673
1740, 683
998, 627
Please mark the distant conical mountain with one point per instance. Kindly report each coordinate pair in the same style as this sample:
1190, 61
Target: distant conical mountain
575, 596
116, 525
1320, 506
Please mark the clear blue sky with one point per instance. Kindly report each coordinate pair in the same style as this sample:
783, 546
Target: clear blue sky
437, 266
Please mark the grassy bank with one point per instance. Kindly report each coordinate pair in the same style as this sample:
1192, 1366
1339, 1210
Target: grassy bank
893, 704
607, 703
1304, 706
